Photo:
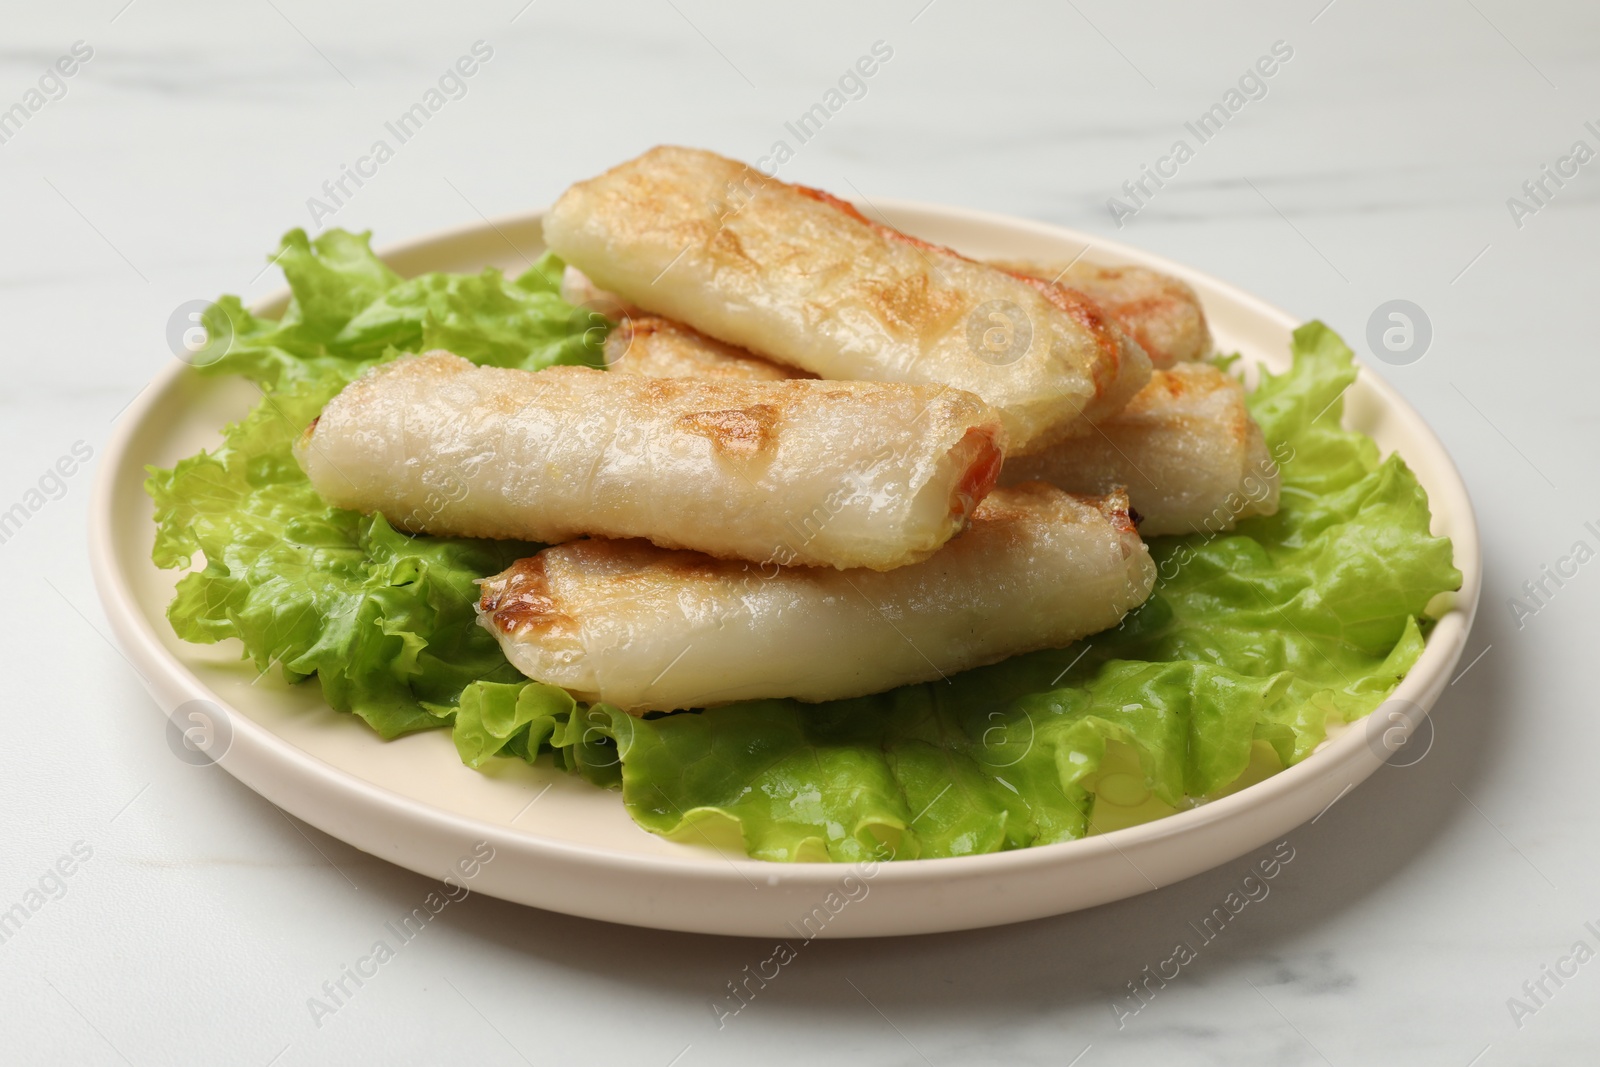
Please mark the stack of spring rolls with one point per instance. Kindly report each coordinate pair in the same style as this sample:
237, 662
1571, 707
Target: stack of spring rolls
826, 459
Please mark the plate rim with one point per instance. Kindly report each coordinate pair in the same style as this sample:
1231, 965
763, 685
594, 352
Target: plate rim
1343, 756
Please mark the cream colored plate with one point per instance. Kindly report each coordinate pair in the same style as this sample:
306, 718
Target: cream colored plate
573, 848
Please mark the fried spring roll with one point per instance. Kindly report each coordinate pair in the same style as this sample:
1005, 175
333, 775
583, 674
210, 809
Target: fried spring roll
1186, 448
799, 277
648, 629
1161, 312
580, 292
660, 348
840, 474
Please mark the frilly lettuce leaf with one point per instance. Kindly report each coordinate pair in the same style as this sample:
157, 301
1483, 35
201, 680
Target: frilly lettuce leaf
347, 310
1253, 643
385, 621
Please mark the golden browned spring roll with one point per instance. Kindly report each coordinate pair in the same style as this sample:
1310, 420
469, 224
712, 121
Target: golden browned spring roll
1186, 448
801, 278
579, 291
649, 629
660, 348
840, 474
1161, 312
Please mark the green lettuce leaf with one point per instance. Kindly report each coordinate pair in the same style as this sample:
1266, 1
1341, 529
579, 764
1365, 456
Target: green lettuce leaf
1254, 643
348, 310
383, 620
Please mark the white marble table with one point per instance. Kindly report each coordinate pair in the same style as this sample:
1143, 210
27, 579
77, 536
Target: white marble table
1375, 164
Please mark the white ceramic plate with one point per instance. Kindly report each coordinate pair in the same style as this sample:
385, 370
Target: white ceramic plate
574, 849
